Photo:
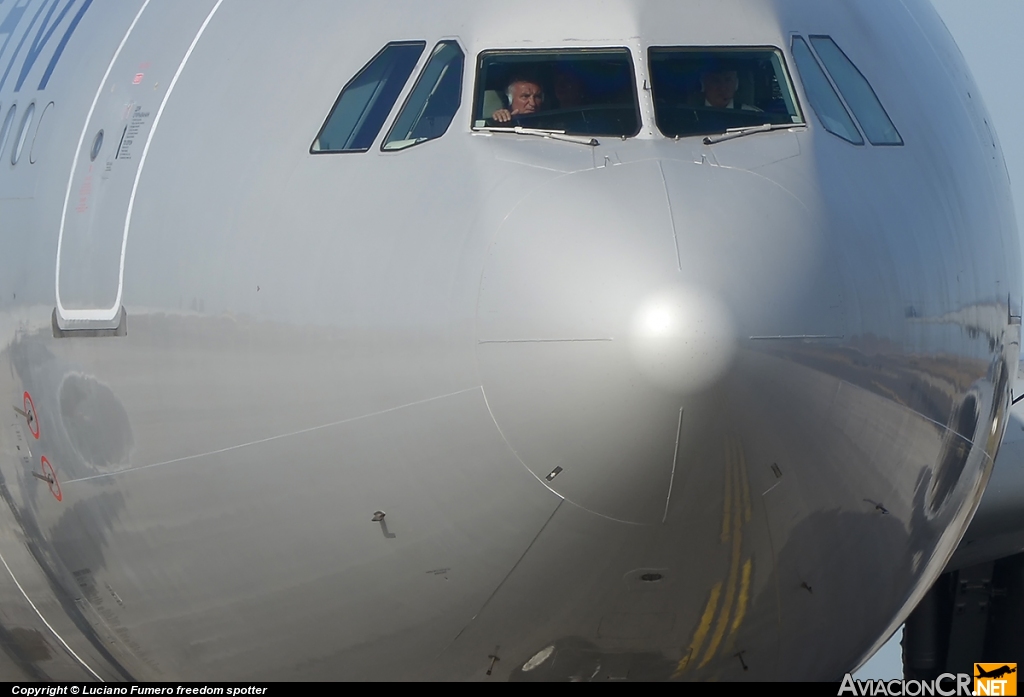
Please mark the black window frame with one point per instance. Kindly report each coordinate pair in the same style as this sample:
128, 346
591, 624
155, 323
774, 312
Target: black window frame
479, 93
356, 76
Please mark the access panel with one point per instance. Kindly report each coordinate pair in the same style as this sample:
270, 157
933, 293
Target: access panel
111, 156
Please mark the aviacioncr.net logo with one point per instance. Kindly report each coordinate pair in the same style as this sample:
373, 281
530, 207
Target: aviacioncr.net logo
995, 679
946, 685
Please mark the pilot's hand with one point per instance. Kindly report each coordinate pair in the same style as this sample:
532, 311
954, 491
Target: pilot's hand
503, 115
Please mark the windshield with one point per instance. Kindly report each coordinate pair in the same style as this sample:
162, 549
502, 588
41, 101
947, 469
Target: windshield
581, 92
707, 91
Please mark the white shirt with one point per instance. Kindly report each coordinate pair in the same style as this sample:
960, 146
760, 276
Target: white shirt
731, 105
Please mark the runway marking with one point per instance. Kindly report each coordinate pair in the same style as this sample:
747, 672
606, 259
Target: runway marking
702, 630
736, 507
734, 567
270, 439
744, 599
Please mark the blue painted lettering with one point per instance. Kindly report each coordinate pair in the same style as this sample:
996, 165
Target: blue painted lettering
43, 34
10, 23
40, 41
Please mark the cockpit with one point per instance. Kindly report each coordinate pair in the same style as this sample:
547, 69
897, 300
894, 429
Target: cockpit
579, 93
592, 92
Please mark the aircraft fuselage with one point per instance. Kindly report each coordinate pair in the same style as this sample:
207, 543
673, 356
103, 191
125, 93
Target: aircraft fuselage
666, 408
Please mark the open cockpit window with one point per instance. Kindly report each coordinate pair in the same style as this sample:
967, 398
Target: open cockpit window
433, 102
366, 101
704, 91
586, 92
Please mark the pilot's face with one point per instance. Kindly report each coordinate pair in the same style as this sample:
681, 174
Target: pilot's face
568, 90
527, 98
720, 87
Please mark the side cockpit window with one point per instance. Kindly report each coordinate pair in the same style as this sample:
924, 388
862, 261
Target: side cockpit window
365, 102
822, 96
702, 91
587, 92
861, 98
433, 102
830, 80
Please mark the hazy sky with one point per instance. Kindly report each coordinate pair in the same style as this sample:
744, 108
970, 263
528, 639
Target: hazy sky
989, 35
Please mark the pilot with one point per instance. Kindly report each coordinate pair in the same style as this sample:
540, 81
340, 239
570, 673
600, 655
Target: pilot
570, 92
718, 89
525, 96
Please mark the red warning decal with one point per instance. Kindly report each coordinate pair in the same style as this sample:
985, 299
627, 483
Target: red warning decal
30, 416
51, 478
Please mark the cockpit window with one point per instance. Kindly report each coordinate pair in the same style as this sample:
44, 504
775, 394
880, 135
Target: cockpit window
823, 98
589, 92
702, 91
366, 101
857, 92
434, 100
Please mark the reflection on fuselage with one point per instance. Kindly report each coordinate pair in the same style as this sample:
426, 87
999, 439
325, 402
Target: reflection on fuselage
487, 405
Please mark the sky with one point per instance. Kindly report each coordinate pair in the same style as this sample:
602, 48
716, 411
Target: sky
989, 35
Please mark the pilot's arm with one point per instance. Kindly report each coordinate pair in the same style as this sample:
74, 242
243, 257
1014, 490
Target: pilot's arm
503, 115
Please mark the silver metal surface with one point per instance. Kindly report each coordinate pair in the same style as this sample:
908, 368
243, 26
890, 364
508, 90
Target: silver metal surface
645, 409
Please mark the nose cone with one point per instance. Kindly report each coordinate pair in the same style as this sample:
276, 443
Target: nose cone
614, 306
682, 339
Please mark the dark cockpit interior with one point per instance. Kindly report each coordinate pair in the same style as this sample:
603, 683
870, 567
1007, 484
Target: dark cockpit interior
705, 91
582, 92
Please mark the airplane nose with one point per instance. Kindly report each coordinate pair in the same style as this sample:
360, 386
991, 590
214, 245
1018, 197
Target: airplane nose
615, 304
682, 339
